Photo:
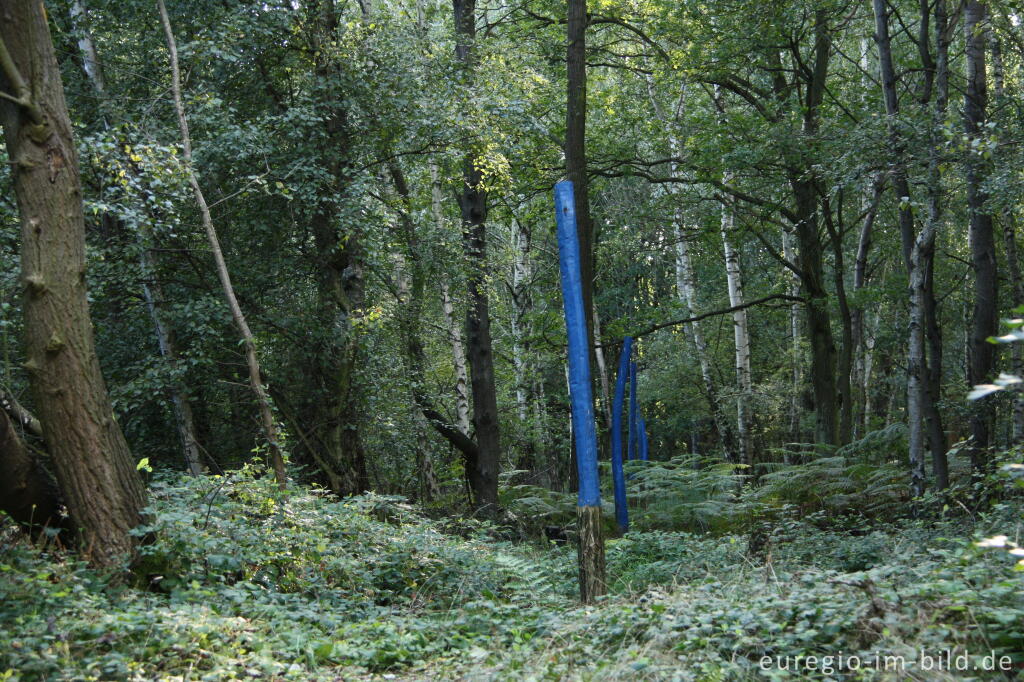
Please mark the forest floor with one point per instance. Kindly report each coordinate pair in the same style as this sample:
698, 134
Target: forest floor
241, 581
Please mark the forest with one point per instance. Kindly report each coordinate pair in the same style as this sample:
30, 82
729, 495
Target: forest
511, 339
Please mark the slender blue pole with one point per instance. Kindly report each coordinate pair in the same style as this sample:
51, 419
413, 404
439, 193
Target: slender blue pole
634, 438
579, 354
618, 479
642, 432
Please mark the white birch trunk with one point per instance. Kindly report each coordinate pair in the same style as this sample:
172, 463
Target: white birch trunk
789, 253
741, 335
451, 321
686, 288
520, 309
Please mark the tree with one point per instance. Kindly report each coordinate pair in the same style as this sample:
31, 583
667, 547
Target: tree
985, 312
248, 340
481, 470
93, 464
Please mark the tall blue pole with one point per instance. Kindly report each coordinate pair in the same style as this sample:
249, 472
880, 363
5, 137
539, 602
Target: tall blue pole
634, 438
579, 354
618, 479
588, 502
642, 432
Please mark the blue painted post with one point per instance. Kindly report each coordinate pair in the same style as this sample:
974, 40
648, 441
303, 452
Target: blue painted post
634, 438
642, 432
618, 479
588, 502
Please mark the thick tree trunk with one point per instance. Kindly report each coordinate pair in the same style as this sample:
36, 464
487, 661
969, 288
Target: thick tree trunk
818, 320
483, 473
339, 261
803, 185
249, 342
94, 467
980, 233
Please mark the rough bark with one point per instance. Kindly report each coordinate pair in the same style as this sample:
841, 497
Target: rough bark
591, 554
483, 473
248, 341
94, 467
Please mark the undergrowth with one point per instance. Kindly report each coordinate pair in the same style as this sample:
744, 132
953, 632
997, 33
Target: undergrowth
239, 580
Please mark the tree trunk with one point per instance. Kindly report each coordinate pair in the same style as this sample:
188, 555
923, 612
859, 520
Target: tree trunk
741, 337
454, 328
860, 276
805, 193
575, 147
789, 253
686, 287
483, 473
249, 342
94, 467
1009, 224
183, 418
925, 246
922, 415
340, 281
521, 365
980, 233
844, 368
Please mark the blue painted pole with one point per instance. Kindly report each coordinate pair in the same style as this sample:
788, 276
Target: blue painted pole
642, 432
588, 502
579, 354
618, 479
634, 438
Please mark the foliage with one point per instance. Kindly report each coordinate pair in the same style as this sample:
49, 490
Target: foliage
242, 580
